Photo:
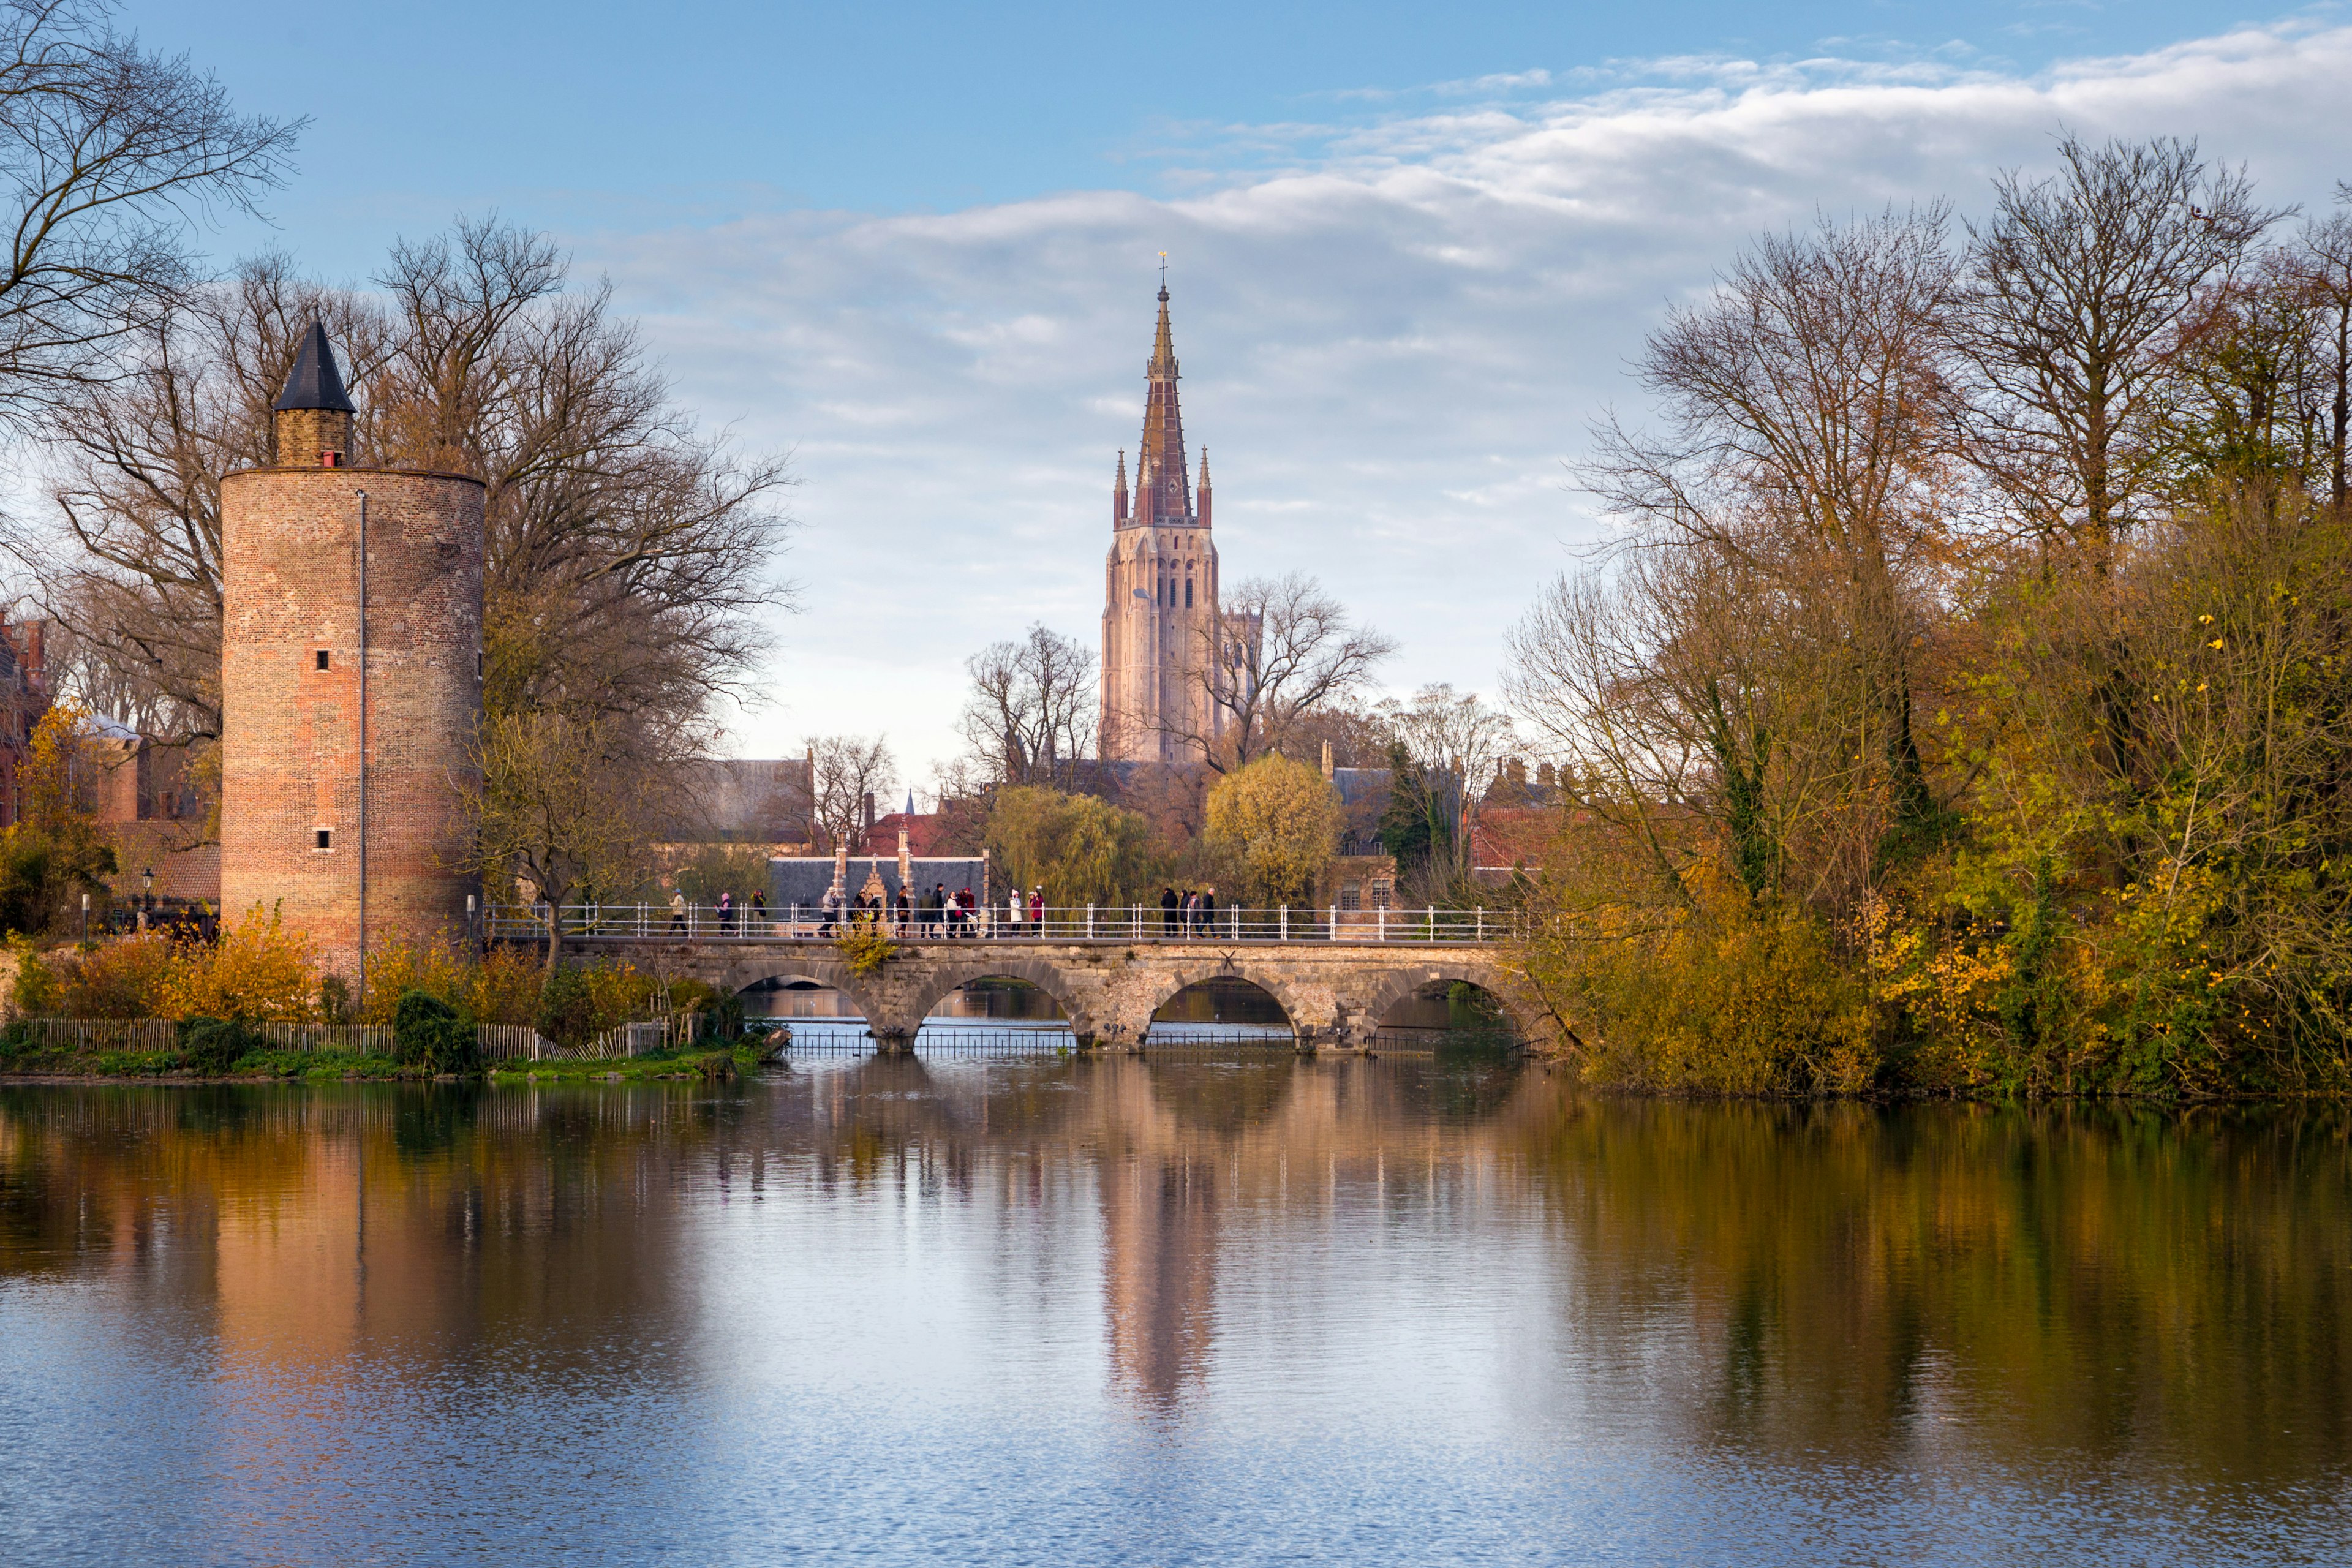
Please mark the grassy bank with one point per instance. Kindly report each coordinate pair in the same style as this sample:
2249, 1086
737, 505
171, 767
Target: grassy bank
701, 1061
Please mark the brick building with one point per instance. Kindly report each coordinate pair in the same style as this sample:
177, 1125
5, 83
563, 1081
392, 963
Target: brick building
351, 681
24, 698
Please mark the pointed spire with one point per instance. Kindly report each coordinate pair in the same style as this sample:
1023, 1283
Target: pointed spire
1162, 498
315, 382
1200, 509
1119, 490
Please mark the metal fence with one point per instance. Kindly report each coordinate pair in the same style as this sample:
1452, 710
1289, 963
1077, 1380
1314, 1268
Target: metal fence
1091, 922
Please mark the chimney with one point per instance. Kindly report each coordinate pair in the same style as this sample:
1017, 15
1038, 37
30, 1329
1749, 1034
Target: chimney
312, 420
1326, 761
870, 811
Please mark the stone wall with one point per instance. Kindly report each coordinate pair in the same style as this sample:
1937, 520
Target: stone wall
1335, 995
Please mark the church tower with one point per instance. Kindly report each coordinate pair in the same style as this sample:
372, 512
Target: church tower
1160, 588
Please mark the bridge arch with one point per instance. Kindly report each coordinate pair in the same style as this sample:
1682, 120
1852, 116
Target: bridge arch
917, 997
1380, 991
1298, 1009
821, 969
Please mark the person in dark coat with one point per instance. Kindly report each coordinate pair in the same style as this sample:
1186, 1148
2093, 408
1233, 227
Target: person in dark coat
1169, 904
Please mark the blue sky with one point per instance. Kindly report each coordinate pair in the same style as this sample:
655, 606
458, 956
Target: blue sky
1412, 250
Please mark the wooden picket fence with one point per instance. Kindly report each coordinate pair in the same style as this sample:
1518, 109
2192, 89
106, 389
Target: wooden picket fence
103, 1034
500, 1042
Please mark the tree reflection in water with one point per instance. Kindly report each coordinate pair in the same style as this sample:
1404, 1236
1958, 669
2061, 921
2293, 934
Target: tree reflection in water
2071, 1303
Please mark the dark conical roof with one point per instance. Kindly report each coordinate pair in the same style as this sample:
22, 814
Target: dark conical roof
316, 383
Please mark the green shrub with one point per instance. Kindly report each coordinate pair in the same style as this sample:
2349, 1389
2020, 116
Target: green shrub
428, 1033
215, 1045
567, 1009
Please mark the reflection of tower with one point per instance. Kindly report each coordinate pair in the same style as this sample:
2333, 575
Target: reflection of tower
1159, 587
1159, 1257
351, 681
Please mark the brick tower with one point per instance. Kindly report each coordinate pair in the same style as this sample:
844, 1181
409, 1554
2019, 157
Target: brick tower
1160, 588
351, 681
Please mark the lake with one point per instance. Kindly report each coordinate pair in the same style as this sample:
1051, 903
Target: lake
1219, 1305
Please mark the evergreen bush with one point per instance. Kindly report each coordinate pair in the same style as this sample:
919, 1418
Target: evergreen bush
429, 1032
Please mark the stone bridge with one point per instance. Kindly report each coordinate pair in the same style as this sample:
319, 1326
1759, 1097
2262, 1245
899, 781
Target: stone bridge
1335, 994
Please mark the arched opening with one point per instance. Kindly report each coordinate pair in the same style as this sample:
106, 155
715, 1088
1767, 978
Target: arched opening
1447, 1014
996, 1013
1222, 1010
818, 1015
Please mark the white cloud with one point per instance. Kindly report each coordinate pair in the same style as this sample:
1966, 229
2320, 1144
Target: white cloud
1391, 347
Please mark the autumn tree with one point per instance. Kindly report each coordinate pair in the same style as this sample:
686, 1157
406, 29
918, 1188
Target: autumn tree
58, 850
1280, 820
1079, 849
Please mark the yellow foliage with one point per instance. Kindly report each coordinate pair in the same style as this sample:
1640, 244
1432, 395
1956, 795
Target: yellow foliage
124, 979
1281, 819
258, 973
1719, 995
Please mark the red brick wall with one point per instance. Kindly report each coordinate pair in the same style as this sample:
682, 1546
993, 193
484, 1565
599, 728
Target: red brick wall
289, 750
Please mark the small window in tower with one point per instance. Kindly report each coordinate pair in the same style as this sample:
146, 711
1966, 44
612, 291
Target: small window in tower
325, 837
1188, 593
322, 658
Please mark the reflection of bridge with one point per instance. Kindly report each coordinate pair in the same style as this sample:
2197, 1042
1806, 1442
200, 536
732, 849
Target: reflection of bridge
1335, 990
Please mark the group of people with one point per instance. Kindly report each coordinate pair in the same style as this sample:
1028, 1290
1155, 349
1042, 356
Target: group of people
751, 915
1181, 915
939, 912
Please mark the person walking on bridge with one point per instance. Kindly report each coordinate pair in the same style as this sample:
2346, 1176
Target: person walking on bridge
1036, 912
1168, 904
678, 912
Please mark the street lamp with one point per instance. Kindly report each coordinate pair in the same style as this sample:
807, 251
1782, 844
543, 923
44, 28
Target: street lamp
84, 918
147, 885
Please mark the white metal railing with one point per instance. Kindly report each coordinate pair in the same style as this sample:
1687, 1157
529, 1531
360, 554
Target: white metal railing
1129, 923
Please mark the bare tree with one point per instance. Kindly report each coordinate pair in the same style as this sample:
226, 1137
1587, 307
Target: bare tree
2082, 282
136, 577
1811, 412
2320, 262
630, 560
1031, 712
1281, 651
112, 153
849, 770
1457, 732
559, 807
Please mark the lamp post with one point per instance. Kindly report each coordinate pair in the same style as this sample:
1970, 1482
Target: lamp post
147, 885
85, 919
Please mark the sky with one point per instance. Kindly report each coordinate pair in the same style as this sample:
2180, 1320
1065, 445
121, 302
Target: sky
1411, 252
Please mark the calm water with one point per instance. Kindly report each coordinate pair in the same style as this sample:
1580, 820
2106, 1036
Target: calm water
1176, 1310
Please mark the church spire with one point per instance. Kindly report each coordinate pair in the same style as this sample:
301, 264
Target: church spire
1119, 490
1163, 453
1201, 510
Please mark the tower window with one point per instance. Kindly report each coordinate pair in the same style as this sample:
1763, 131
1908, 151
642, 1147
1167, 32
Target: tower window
1188, 593
322, 658
325, 837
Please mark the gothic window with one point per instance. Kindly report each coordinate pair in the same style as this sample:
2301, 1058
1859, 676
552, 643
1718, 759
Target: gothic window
1188, 593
